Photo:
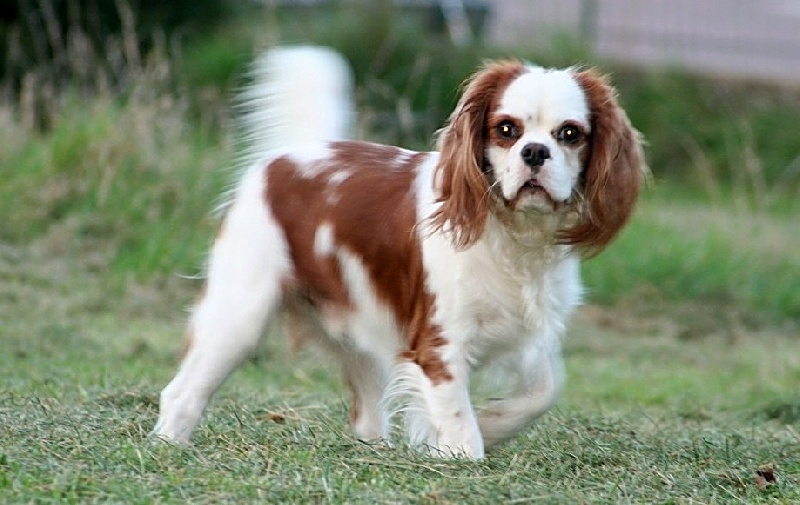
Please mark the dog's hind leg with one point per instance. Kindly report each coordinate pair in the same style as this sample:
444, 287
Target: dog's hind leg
367, 379
247, 262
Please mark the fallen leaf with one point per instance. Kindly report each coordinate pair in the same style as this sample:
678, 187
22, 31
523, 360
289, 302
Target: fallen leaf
765, 476
276, 417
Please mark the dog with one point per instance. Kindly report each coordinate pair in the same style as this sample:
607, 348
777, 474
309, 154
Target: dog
414, 269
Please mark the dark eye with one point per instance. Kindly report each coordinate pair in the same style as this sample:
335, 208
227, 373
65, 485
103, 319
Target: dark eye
507, 130
569, 134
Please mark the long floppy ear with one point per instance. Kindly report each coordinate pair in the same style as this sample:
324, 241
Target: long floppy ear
463, 190
613, 171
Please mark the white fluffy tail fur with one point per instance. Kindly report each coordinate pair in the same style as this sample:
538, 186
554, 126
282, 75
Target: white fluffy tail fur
299, 95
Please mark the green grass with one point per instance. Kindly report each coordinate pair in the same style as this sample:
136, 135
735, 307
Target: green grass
134, 178
669, 406
648, 416
692, 250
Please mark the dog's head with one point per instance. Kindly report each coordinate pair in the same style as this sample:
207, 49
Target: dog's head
525, 139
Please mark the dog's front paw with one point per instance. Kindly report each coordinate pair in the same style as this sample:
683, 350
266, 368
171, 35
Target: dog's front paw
458, 445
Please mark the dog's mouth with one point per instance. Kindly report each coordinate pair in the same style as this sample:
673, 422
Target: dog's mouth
534, 196
533, 188
532, 185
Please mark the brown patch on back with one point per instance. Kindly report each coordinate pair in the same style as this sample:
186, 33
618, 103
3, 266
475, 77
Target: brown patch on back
298, 204
372, 213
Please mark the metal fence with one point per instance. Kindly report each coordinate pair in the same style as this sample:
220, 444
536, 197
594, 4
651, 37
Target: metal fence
747, 38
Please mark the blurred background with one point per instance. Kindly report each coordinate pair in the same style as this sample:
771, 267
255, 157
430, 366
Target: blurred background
731, 38
116, 129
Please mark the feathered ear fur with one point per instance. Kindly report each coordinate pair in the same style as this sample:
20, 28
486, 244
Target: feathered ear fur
613, 171
463, 188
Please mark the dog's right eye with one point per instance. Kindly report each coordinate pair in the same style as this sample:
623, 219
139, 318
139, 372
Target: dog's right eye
506, 130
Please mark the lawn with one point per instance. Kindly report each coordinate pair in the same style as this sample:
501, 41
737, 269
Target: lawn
680, 401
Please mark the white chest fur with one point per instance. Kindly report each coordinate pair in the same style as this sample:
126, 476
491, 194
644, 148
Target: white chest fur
499, 296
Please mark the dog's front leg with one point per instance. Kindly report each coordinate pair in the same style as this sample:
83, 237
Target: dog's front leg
540, 376
440, 416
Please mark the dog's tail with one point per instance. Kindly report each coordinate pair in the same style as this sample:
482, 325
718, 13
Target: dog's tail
298, 95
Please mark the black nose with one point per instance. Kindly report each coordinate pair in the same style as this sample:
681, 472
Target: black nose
534, 154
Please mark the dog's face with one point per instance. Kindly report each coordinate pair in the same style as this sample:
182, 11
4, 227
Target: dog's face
533, 140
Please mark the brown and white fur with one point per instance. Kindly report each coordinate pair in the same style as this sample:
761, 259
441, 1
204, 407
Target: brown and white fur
414, 269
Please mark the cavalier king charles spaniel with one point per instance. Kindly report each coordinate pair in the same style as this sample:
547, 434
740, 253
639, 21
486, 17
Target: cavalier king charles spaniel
414, 269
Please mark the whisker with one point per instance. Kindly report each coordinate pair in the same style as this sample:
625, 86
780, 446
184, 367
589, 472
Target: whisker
488, 192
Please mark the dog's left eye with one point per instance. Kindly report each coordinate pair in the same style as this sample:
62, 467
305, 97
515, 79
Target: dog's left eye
569, 134
507, 130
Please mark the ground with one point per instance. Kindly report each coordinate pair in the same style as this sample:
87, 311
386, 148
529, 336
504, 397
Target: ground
678, 401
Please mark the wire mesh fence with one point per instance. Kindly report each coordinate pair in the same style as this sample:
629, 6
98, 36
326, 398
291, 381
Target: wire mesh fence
747, 38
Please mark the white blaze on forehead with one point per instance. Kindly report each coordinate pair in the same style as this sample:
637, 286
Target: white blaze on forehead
545, 96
